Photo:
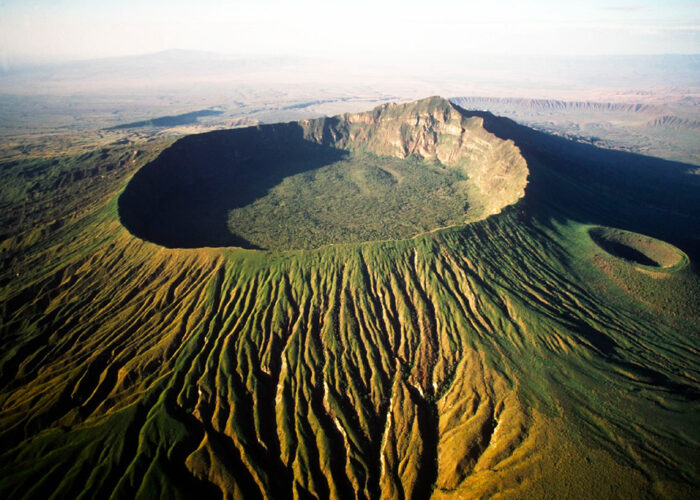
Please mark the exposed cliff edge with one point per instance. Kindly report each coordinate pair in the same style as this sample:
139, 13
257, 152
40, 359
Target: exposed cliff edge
433, 129
390, 173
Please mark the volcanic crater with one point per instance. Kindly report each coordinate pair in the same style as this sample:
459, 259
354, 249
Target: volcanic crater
637, 248
390, 173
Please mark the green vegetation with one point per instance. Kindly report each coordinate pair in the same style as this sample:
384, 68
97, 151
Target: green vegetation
650, 270
511, 356
639, 249
361, 198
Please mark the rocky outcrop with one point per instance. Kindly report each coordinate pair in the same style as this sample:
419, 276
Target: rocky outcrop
433, 129
553, 105
673, 122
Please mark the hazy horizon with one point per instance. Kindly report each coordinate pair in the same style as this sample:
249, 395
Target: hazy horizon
399, 58
85, 63
39, 31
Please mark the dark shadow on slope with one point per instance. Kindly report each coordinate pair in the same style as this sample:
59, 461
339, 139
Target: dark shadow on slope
183, 198
574, 181
427, 414
577, 181
169, 121
625, 252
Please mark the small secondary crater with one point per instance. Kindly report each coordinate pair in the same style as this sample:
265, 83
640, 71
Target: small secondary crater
636, 248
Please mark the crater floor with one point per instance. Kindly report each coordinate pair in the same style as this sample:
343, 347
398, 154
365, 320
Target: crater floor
637, 248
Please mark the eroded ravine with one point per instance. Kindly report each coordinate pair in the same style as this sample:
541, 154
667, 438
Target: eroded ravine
236, 340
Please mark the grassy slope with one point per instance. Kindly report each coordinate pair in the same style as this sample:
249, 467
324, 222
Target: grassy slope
497, 357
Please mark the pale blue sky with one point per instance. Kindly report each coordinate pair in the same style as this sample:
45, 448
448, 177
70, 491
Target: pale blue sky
79, 29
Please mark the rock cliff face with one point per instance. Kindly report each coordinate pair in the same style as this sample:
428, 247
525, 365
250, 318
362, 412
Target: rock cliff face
433, 129
186, 197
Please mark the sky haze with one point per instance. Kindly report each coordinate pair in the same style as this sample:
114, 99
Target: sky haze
56, 30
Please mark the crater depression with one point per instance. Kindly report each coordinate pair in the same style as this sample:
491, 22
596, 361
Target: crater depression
390, 173
637, 248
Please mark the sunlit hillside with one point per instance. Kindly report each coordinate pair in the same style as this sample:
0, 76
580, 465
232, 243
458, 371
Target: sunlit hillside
545, 347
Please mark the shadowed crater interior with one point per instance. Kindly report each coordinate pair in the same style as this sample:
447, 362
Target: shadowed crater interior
636, 248
184, 197
390, 173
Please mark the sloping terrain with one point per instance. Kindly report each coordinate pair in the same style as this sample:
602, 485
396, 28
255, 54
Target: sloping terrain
512, 356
